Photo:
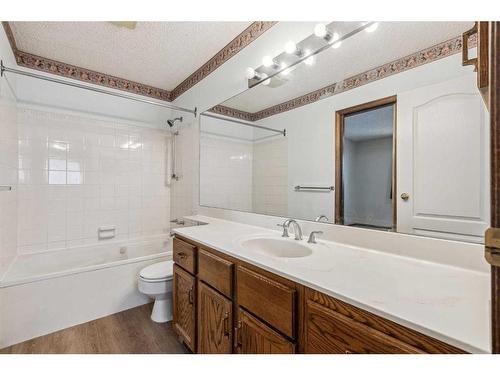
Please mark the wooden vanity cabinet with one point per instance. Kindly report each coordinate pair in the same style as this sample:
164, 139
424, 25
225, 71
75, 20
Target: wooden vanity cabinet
334, 326
184, 306
255, 337
224, 305
215, 321
270, 300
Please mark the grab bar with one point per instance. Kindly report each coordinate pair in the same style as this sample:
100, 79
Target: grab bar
314, 188
5, 188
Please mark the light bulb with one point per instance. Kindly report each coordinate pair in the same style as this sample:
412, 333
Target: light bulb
264, 81
372, 27
250, 73
267, 61
290, 47
320, 30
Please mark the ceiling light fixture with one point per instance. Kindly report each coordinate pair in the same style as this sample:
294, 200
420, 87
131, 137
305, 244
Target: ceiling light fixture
309, 60
268, 61
285, 70
265, 81
290, 47
321, 31
250, 73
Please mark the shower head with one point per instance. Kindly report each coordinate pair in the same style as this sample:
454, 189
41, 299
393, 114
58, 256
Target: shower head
172, 122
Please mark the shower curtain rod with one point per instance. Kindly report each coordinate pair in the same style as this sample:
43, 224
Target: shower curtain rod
244, 123
4, 69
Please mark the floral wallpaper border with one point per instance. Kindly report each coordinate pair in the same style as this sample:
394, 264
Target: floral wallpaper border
40, 63
251, 33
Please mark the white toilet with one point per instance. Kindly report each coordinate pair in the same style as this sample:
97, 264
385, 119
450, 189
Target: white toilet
156, 282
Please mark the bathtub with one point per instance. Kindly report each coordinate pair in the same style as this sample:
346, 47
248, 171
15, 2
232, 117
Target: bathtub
45, 292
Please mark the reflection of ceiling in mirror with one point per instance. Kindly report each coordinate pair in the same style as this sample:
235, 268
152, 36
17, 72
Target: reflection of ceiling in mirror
361, 53
374, 124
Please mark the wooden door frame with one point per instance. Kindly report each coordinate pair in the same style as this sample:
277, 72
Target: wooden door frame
339, 145
494, 100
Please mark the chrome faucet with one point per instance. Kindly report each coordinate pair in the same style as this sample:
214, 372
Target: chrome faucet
318, 219
312, 236
296, 230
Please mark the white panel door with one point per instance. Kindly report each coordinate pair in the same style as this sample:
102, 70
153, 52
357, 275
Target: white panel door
443, 161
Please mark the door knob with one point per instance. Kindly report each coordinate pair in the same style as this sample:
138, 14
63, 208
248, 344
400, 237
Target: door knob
405, 196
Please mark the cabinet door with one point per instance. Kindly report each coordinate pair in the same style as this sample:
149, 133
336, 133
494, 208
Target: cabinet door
184, 306
255, 337
215, 321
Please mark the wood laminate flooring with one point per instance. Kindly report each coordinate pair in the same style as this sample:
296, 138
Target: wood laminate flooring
127, 332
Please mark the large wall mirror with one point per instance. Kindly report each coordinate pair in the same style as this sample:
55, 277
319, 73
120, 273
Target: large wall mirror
372, 125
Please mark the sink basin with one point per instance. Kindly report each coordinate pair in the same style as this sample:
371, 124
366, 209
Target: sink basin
280, 248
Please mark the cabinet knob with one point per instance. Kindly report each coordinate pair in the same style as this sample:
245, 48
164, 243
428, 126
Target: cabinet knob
405, 196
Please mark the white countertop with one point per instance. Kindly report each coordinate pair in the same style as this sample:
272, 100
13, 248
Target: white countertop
449, 303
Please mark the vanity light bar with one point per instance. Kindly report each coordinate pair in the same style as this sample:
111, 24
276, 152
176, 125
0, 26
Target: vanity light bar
279, 68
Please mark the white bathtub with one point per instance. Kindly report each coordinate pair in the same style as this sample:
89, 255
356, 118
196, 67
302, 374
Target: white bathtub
45, 292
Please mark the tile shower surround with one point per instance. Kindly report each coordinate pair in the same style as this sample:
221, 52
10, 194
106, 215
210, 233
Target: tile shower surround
77, 173
244, 175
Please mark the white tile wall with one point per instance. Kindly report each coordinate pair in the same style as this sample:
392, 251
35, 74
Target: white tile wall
78, 172
270, 176
226, 173
8, 176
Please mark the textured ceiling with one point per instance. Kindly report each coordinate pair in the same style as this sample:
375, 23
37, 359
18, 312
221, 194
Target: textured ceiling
362, 52
160, 54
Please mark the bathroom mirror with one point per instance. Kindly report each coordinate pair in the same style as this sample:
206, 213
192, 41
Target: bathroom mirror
372, 125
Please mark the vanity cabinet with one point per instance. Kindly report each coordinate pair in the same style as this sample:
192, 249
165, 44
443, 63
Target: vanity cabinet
334, 326
256, 337
215, 321
184, 306
224, 305
270, 300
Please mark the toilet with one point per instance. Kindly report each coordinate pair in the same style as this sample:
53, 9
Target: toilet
155, 281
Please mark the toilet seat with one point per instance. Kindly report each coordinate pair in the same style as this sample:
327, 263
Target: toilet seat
157, 272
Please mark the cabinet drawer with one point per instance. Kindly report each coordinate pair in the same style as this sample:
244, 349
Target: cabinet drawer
268, 299
330, 332
185, 255
397, 335
216, 272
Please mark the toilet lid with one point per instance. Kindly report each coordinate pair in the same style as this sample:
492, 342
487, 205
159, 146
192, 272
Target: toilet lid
161, 270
